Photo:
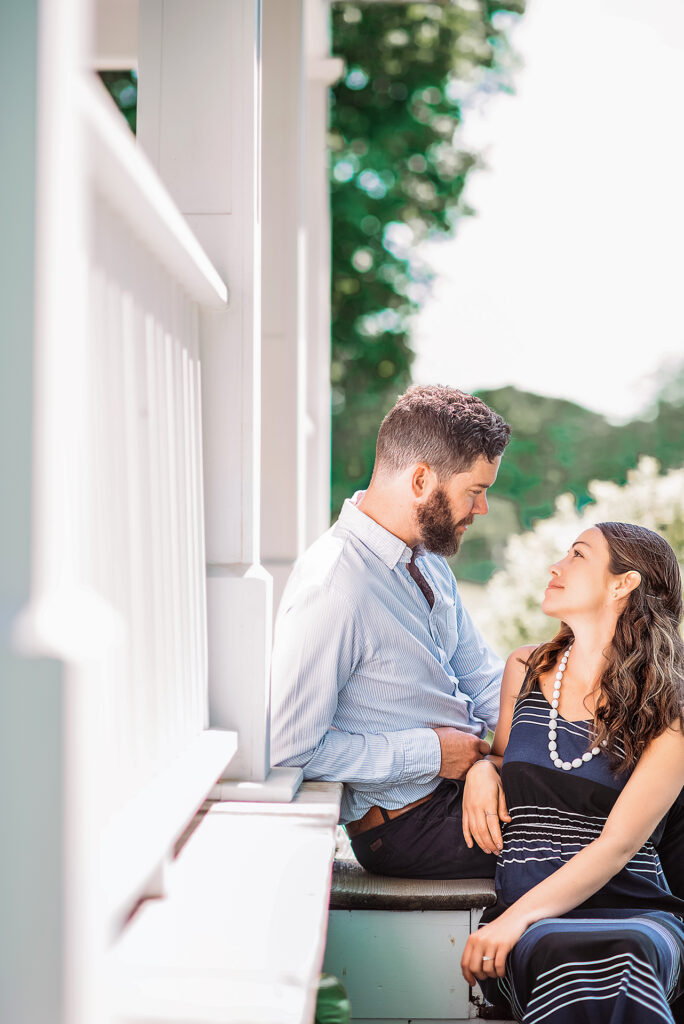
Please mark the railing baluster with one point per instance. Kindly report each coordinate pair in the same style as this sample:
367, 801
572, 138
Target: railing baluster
147, 554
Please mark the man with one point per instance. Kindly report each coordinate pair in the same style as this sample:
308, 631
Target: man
380, 679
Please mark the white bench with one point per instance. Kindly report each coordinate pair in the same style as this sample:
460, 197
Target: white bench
396, 943
238, 936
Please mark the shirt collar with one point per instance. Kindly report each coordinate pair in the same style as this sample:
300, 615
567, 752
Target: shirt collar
381, 542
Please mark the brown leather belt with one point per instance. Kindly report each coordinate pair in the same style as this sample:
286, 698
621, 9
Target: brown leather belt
376, 816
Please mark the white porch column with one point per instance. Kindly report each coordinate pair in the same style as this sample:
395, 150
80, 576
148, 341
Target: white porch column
48, 965
32, 689
296, 282
198, 120
322, 71
284, 264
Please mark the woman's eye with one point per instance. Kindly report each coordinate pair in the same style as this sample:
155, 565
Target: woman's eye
578, 554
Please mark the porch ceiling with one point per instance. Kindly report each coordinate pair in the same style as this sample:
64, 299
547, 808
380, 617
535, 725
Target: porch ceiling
115, 34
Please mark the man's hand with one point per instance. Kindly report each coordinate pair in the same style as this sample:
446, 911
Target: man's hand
460, 751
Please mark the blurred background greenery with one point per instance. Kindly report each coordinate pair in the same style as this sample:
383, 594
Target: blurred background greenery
123, 88
558, 447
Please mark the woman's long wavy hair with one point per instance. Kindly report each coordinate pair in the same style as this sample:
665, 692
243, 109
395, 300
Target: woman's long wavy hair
642, 688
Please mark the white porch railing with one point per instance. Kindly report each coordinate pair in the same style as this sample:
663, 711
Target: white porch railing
148, 278
119, 518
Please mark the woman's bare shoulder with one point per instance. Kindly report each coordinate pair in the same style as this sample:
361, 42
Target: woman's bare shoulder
515, 670
519, 657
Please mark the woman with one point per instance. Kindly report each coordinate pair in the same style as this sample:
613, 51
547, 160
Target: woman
585, 928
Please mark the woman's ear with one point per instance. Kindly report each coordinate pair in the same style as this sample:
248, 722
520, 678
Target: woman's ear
627, 583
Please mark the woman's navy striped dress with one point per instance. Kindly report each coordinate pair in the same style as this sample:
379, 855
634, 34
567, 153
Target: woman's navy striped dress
616, 958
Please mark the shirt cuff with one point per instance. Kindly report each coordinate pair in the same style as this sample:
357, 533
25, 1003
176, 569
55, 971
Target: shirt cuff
422, 755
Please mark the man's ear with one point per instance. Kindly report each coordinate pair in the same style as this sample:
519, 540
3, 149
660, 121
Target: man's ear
420, 479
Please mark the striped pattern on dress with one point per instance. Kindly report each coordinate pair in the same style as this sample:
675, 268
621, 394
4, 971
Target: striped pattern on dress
624, 971
617, 958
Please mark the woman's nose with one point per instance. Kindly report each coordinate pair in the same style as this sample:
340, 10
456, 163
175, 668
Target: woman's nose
554, 570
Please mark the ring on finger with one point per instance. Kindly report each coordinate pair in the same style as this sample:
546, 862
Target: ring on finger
487, 958
489, 814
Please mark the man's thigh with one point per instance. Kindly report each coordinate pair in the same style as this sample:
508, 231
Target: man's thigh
426, 842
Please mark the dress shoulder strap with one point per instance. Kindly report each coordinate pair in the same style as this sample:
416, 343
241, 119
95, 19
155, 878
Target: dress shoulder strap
521, 696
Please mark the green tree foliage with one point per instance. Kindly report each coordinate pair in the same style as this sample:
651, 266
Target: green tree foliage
398, 174
559, 447
123, 88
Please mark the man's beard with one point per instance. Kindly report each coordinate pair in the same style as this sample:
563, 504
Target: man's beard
438, 527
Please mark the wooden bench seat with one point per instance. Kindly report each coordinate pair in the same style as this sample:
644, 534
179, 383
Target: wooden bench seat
354, 888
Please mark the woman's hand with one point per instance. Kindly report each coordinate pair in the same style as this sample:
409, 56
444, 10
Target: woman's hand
486, 950
484, 805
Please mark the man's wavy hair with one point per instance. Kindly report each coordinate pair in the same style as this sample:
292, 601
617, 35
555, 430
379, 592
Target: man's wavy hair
641, 692
442, 427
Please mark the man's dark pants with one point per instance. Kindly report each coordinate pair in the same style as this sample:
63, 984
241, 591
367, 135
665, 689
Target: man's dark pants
425, 842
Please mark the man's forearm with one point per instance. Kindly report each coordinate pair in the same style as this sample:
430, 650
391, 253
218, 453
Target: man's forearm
371, 760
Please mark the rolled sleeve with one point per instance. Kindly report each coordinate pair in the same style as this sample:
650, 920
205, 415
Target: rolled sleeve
422, 755
368, 761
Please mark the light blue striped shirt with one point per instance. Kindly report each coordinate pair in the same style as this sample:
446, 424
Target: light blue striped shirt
363, 670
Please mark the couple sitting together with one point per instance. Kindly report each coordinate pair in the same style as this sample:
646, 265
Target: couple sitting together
381, 681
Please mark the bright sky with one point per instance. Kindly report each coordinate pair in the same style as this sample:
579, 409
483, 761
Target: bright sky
570, 281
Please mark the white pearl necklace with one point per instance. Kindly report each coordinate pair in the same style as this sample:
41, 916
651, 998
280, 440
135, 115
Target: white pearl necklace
553, 717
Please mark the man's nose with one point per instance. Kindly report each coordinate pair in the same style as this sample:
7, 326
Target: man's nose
481, 508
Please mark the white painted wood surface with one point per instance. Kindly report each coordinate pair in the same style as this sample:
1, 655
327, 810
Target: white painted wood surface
116, 596
216, 60
322, 71
136, 358
121, 171
295, 505
142, 506
239, 937
140, 838
144, 551
50, 626
115, 35
280, 785
284, 287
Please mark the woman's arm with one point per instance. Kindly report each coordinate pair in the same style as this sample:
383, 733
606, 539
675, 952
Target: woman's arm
652, 789
511, 683
484, 804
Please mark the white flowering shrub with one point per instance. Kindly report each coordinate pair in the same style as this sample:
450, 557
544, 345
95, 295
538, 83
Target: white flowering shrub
513, 613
